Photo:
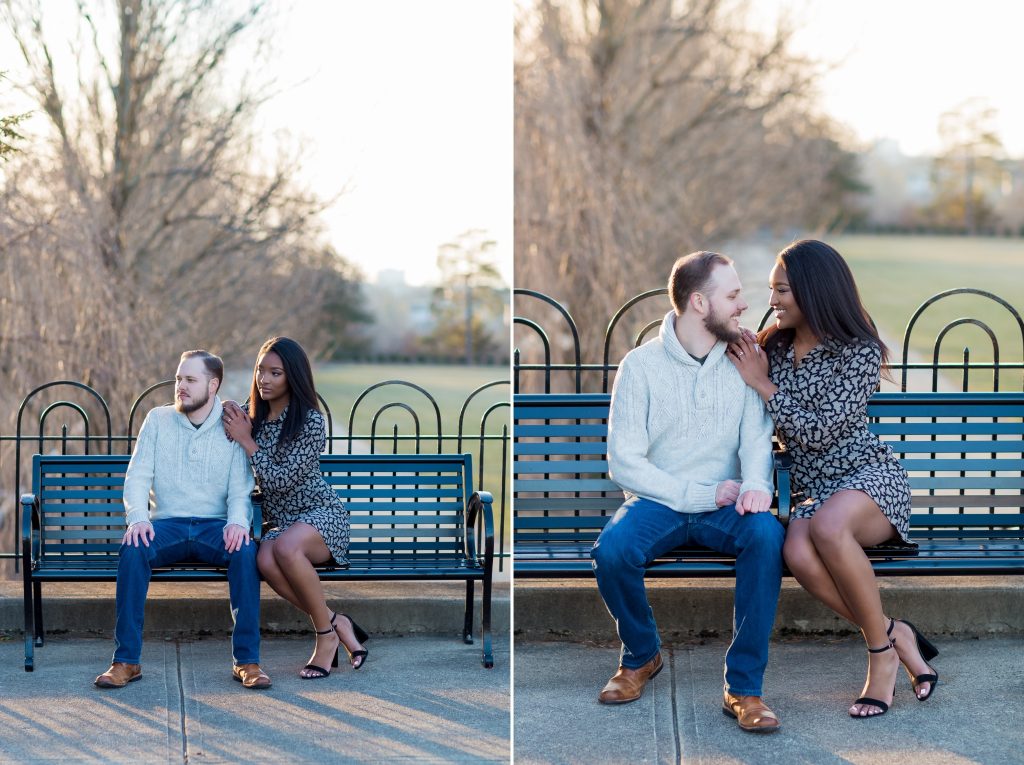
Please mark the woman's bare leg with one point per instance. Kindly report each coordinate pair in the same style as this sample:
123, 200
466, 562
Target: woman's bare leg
803, 560
296, 551
273, 575
842, 527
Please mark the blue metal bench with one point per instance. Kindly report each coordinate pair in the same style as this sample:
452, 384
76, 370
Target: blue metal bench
964, 453
413, 517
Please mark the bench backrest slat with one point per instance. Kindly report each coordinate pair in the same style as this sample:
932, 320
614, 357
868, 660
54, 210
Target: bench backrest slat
399, 505
964, 454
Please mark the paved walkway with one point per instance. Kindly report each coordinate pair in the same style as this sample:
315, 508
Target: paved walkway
972, 718
418, 699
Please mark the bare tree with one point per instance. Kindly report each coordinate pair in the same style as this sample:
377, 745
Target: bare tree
967, 171
152, 160
466, 304
146, 217
646, 129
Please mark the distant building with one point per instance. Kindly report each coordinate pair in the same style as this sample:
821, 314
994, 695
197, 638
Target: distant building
902, 188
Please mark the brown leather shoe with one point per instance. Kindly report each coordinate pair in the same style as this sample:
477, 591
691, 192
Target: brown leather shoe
628, 684
119, 675
751, 713
251, 676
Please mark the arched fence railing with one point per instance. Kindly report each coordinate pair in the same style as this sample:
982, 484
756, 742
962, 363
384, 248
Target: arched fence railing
389, 417
548, 351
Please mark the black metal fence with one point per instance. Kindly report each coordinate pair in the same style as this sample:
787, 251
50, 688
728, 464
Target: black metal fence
389, 417
548, 351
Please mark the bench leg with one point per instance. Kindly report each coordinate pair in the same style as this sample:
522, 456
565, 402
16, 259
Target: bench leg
488, 657
467, 626
29, 636
37, 604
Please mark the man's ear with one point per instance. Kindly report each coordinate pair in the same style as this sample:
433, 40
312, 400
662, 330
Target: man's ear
214, 386
697, 301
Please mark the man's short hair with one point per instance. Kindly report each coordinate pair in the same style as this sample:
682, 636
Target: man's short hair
691, 273
214, 364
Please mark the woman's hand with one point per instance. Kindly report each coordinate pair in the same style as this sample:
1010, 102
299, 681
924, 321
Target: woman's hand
237, 425
751, 362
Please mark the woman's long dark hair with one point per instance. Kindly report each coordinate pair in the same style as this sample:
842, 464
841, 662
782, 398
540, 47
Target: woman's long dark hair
302, 393
826, 293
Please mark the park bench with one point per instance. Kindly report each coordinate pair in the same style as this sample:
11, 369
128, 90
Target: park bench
413, 517
964, 453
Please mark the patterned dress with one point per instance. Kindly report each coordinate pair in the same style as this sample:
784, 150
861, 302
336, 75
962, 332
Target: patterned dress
820, 411
293, 487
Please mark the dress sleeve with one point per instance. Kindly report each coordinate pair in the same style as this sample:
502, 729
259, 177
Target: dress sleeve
295, 458
843, 399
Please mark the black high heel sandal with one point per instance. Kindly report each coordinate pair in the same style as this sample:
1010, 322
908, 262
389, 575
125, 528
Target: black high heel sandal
875, 702
323, 672
928, 652
361, 636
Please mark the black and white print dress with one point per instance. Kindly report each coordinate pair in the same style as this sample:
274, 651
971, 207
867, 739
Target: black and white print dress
293, 487
820, 411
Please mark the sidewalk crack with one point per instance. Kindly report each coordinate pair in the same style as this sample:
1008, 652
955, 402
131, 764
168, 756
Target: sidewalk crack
181, 703
675, 709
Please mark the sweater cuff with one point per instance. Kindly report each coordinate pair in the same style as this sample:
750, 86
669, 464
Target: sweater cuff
137, 516
242, 518
700, 498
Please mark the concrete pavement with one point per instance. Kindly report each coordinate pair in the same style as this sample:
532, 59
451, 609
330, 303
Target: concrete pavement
972, 717
422, 699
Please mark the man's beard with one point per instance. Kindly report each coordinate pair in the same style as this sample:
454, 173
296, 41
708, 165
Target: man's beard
721, 329
196, 404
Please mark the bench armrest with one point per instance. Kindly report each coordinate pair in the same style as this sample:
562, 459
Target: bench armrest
479, 520
29, 522
257, 515
783, 462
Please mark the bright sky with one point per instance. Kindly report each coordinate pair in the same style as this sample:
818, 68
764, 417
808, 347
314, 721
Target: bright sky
404, 106
902, 63
407, 106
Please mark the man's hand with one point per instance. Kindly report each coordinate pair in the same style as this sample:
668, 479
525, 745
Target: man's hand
726, 493
234, 537
754, 502
141, 531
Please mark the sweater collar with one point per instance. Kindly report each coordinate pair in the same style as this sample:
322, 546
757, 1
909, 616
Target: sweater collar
675, 350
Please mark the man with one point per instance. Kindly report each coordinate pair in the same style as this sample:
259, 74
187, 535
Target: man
201, 510
690, 445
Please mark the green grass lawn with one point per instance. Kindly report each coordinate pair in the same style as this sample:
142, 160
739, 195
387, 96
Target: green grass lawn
896, 274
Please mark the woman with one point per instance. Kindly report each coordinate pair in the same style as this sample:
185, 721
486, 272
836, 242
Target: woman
815, 370
284, 434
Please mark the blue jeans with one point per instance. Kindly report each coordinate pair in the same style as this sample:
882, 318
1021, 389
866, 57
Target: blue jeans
641, 530
182, 539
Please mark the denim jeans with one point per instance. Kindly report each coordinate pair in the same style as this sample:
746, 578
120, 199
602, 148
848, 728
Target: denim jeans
641, 530
181, 539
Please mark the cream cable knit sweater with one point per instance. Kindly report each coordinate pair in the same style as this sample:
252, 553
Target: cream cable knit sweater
193, 473
677, 428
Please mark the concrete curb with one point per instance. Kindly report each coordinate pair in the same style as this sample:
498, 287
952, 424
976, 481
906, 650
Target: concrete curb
200, 608
684, 608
